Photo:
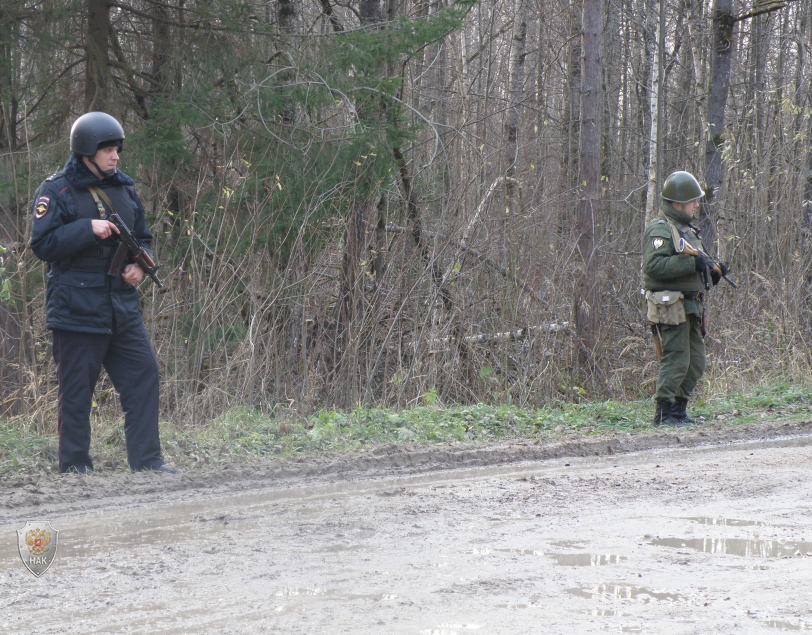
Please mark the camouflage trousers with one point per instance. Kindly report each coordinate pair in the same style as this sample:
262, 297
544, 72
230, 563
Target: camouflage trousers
683, 360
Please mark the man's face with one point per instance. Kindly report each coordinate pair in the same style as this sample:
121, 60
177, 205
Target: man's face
105, 158
689, 209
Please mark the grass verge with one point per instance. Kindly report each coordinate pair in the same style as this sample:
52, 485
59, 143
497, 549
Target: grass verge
248, 435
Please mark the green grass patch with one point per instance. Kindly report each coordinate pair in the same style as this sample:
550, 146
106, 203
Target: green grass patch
248, 435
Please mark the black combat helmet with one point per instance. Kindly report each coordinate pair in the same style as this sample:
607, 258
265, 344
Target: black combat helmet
95, 130
681, 187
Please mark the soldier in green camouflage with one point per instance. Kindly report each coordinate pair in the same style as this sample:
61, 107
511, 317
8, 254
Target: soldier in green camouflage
674, 293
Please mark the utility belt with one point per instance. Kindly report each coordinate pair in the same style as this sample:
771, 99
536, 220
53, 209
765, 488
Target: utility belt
92, 259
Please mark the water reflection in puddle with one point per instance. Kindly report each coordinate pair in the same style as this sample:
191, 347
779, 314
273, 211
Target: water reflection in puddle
289, 593
788, 626
570, 544
603, 613
297, 599
585, 559
625, 593
333, 594
340, 548
570, 559
522, 552
739, 546
450, 629
724, 522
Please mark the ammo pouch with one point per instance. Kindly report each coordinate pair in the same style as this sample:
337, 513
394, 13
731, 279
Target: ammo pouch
666, 307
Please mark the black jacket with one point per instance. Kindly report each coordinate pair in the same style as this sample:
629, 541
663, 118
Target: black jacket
81, 296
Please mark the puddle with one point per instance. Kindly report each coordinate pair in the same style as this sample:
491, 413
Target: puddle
522, 552
570, 544
625, 593
725, 522
563, 559
340, 548
603, 613
739, 546
450, 629
788, 626
585, 559
431, 565
289, 593
333, 594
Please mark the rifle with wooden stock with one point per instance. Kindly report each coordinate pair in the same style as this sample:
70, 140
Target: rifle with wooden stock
711, 264
129, 245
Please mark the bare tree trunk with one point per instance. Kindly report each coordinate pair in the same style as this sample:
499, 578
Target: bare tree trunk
694, 9
516, 96
96, 52
355, 262
287, 25
8, 98
721, 57
586, 306
516, 93
161, 49
805, 32
572, 112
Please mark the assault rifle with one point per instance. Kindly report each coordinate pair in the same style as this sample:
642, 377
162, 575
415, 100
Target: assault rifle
129, 245
712, 264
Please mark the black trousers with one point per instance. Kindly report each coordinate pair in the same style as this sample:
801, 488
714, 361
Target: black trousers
130, 362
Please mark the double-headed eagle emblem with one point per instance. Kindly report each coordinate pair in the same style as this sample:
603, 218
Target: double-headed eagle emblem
37, 540
37, 544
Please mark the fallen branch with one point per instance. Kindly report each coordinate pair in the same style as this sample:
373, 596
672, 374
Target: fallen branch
508, 336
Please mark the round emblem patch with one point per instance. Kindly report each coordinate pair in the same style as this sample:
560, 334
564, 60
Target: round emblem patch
41, 206
658, 242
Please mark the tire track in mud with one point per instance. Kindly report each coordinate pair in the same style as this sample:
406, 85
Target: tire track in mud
48, 492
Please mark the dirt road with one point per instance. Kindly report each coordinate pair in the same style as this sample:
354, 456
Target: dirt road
666, 534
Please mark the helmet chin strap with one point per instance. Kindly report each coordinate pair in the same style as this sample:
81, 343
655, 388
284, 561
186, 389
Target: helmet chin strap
105, 173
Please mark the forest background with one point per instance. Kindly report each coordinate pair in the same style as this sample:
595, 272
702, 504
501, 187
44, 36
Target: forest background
392, 202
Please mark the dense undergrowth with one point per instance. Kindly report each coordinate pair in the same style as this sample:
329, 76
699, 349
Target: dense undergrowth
247, 435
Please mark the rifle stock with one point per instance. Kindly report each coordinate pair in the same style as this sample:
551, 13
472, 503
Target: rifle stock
714, 264
658, 339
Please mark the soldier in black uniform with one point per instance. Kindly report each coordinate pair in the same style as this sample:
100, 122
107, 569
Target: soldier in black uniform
94, 316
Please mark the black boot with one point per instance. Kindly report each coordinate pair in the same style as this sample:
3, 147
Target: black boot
664, 415
679, 412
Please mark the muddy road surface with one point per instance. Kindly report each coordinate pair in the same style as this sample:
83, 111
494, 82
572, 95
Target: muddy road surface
705, 532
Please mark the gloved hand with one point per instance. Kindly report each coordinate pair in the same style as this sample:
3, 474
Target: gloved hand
701, 263
716, 274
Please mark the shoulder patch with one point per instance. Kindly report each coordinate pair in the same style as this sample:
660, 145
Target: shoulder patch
658, 242
661, 220
41, 206
54, 176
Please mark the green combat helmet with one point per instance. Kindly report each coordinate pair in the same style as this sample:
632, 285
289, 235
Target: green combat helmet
681, 187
